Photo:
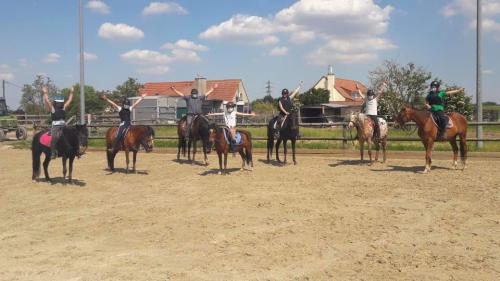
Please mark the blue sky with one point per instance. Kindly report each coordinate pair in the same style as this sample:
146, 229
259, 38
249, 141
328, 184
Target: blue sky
280, 40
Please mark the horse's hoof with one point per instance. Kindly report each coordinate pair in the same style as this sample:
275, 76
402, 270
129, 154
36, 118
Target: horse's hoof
242, 169
295, 163
219, 173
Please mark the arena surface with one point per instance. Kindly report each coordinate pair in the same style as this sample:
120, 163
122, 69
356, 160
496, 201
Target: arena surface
329, 218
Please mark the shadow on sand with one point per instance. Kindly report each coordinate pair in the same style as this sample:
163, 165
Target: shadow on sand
272, 163
216, 171
124, 171
412, 169
188, 162
62, 181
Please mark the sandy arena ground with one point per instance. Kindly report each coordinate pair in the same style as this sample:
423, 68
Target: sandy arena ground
329, 218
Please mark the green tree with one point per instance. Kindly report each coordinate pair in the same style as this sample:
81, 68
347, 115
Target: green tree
31, 100
127, 89
406, 85
93, 104
315, 97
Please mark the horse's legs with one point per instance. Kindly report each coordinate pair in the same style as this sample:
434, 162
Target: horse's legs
194, 150
293, 151
454, 146
179, 145
463, 149
112, 160
428, 155
243, 159
278, 143
205, 154
64, 158
46, 166
190, 141
270, 144
284, 149
361, 148
384, 146
219, 154
134, 158
127, 160
225, 161
377, 148
369, 144
70, 176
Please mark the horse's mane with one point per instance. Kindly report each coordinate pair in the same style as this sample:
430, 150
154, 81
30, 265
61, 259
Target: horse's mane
149, 130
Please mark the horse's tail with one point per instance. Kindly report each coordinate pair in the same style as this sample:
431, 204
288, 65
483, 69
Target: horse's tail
462, 125
270, 136
36, 151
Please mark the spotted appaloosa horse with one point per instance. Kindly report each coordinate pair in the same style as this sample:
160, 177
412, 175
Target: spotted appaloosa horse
365, 128
136, 136
428, 130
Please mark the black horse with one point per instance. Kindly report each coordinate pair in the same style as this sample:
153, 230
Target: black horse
73, 143
289, 131
200, 130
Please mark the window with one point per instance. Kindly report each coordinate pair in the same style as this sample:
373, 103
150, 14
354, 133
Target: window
355, 95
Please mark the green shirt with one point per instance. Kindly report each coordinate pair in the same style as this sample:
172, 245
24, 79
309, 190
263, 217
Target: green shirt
438, 106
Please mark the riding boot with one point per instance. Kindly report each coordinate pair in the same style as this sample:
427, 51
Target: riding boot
441, 135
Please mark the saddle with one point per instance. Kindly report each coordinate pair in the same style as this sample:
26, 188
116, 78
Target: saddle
228, 139
449, 123
46, 139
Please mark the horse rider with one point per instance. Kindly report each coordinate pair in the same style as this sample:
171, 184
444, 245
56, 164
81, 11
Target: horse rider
125, 121
371, 108
57, 110
435, 103
285, 105
194, 105
230, 116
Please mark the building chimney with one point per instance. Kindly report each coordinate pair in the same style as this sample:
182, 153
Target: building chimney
200, 83
330, 70
330, 83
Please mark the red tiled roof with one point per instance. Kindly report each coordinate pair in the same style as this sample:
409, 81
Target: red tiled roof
226, 90
349, 103
345, 87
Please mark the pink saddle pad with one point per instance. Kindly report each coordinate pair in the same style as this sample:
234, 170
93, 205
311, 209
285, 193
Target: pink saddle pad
45, 139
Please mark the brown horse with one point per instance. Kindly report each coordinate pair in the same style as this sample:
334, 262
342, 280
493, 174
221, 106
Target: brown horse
134, 138
364, 127
220, 135
181, 136
427, 131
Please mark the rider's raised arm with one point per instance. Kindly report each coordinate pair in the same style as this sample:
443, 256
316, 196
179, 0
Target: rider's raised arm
245, 114
359, 91
45, 93
176, 91
456, 91
282, 108
381, 90
215, 114
211, 90
70, 98
138, 101
296, 91
103, 97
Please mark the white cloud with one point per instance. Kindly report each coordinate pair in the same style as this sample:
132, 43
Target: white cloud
156, 8
120, 31
323, 56
52, 58
8, 76
88, 56
243, 29
279, 51
145, 57
185, 44
349, 22
154, 70
301, 37
185, 55
98, 7
468, 9
488, 72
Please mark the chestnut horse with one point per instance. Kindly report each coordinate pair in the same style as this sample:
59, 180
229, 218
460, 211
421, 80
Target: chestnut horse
364, 127
218, 136
428, 131
134, 138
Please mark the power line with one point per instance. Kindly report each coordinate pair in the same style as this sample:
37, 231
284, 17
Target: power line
12, 84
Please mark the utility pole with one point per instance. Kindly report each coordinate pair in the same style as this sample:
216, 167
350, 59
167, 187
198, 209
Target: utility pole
3, 89
479, 102
268, 88
82, 69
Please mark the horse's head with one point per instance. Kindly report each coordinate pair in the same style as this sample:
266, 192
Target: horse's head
403, 116
353, 119
147, 139
83, 136
212, 134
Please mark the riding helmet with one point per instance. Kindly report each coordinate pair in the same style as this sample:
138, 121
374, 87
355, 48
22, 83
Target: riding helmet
370, 92
435, 84
230, 104
284, 92
194, 93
